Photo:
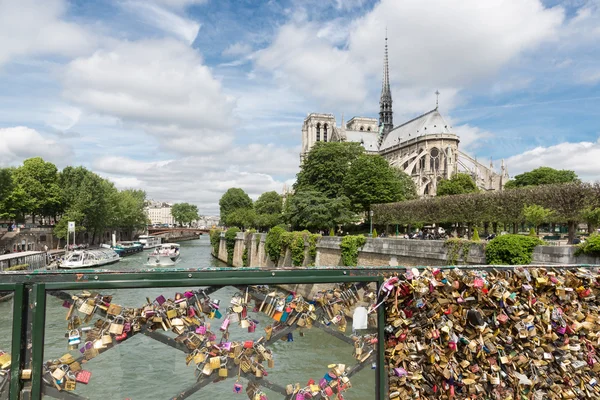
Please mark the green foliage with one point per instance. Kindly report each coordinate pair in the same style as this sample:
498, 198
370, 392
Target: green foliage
371, 180
537, 215
18, 267
591, 215
243, 217
591, 246
273, 243
128, 212
331, 232
215, 240
245, 257
511, 250
313, 210
39, 180
349, 248
457, 249
312, 247
542, 176
185, 213
269, 203
374, 233
532, 232
325, 167
230, 236
234, 198
459, 184
475, 236
297, 249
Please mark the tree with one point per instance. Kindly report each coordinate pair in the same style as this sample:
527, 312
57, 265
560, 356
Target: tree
233, 198
268, 210
129, 211
185, 213
39, 181
537, 215
542, 176
241, 217
313, 210
591, 215
459, 184
371, 180
326, 166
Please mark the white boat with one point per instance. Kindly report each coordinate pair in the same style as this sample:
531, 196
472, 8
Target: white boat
166, 254
89, 258
149, 241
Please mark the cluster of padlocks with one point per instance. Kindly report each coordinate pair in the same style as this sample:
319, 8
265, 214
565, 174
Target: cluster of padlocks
189, 315
4, 369
523, 333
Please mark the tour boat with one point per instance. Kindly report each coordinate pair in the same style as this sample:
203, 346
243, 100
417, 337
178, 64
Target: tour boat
126, 248
89, 258
149, 241
164, 255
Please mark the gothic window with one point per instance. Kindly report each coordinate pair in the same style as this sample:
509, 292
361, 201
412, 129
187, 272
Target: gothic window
434, 160
362, 128
325, 132
369, 129
318, 132
422, 163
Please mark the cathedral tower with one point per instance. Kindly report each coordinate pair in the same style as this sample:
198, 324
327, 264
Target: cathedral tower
386, 116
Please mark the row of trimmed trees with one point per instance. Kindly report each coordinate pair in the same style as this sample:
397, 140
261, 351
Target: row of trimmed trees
569, 203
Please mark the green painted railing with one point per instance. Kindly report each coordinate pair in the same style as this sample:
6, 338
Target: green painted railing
30, 290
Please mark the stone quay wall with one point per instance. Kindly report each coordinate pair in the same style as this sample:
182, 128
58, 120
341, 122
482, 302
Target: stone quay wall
384, 252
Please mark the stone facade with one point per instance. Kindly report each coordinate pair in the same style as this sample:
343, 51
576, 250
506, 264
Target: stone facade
426, 147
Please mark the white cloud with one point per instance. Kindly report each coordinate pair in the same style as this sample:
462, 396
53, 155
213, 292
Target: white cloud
20, 142
581, 157
167, 91
237, 49
179, 3
589, 76
471, 137
431, 44
314, 66
202, 179
164, 19
29, 27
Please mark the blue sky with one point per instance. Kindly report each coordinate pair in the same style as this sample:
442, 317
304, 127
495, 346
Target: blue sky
186, 98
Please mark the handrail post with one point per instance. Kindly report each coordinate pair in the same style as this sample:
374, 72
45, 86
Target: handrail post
37, 339
18, 346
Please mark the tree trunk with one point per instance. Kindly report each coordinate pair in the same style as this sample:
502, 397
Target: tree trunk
93, 237
469, 230
495, 227
571, 225
485, 228
553, 227
537, 230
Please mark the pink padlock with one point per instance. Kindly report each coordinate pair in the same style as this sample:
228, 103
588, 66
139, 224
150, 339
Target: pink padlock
225, 324
329, 391
452, 346
237, 387
300, 396
201, 330
252, 327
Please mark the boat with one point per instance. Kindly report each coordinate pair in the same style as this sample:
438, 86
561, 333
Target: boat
89, 258
164, 255
125, 248
149, 241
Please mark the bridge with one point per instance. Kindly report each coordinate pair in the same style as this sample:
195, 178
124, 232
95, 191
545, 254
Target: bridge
182, 231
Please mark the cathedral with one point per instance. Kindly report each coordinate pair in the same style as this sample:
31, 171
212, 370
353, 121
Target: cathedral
426, 147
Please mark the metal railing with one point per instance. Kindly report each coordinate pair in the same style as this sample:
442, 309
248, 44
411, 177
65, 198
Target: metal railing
32, 288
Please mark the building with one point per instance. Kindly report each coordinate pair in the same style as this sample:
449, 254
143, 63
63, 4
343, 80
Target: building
426, 147
159, 213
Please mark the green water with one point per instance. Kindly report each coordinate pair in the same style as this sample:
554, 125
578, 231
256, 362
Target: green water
142, 368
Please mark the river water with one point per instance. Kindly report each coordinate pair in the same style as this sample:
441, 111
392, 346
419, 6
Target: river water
142, 368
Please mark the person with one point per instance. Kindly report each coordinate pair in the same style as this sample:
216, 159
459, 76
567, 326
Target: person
577, 240
46, 248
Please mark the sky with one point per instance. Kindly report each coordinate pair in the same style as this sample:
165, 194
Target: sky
187, 98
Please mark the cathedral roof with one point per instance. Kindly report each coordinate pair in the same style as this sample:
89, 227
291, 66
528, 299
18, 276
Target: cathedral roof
430, 123
368, 139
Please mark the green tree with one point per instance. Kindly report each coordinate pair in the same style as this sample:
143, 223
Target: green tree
241, 217
326, 166
185, 213
537, 215
542, 176
233, 198
313, 210
371, 180
129, 211
39, 181
268, 209
591, 215
407, 184
459, 184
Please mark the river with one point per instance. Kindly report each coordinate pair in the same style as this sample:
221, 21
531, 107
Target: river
142, 368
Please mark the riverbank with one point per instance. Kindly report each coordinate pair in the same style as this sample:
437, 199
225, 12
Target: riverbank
249, 250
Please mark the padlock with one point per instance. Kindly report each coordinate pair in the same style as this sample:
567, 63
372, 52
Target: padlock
225, 324
74, 337
237, 387
117, 326
60, 372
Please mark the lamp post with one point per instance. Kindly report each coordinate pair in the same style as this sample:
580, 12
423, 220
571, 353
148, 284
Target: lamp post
371, 228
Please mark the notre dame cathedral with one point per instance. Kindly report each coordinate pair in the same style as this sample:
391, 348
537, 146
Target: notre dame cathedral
426, 148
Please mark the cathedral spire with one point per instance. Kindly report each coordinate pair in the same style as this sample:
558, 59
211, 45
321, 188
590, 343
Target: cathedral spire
385, 102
